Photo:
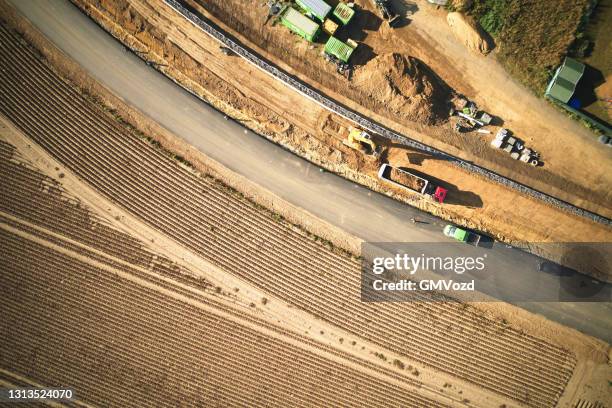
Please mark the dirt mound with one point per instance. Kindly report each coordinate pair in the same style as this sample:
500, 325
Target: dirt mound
462, 5
468, 32
405, 86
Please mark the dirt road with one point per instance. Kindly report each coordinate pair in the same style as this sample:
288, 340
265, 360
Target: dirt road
483, 78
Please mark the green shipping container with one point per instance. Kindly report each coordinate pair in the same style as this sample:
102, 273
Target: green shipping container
338, 49
344, 13
300, 24
316, 8
563, 85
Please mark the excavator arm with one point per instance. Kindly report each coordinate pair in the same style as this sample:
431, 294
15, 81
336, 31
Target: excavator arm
360, 140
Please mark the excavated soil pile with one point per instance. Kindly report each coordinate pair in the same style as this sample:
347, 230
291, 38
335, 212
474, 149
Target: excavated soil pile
405, 87
406, 180
468, 32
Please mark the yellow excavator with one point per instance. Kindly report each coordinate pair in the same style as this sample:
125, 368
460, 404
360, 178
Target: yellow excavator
360, 140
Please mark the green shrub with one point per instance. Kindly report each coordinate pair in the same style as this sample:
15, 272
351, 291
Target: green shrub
532, 36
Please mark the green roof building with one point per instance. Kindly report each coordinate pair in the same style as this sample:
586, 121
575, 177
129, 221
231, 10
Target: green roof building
299, 24
344, 13
316, 8
338, 49
563, 84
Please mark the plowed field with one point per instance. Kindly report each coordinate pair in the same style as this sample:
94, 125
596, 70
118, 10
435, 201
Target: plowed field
235, 235
44, 344
124, 344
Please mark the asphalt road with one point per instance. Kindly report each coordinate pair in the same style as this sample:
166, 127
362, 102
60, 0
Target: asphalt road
361, 212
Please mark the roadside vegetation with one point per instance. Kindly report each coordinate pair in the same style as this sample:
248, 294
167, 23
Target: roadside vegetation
533, 36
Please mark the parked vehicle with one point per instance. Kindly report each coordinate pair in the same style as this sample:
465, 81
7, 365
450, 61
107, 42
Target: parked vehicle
405, 179
462, 235
387, 11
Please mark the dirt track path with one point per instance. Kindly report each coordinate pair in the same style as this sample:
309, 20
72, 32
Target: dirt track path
571, 150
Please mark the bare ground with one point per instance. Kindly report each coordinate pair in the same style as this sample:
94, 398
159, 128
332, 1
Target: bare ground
195, 61
425, 35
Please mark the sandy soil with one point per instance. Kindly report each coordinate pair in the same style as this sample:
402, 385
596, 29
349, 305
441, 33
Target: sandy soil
406, 180
468, 32
221, 80
426, 35
404, 86
564, 143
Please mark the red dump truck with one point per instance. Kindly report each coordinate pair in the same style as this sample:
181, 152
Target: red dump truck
405, 179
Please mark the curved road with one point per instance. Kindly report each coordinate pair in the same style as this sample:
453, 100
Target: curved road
365, 214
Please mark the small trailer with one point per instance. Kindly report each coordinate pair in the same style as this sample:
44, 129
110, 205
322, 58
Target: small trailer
406, 180
462, 235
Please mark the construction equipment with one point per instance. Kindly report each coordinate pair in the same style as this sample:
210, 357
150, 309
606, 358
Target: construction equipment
339, 53
299, 24
463, 126
406, 180
360, 140
515, 148
387, 11
605, 139
462, 235
275, 8
471, 113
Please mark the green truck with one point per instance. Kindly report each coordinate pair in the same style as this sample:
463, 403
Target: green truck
461, 235
299, 24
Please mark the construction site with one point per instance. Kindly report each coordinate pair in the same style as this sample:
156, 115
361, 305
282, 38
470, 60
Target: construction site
187, 188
